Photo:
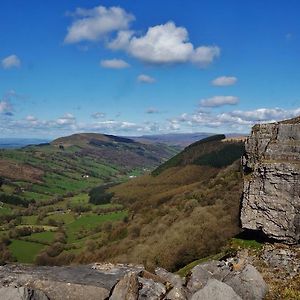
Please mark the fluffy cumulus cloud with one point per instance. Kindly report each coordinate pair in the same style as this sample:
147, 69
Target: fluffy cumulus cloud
145, 78
96, 23
219, 101
114, 63
165, 44
11, 61
224, 81
161, 44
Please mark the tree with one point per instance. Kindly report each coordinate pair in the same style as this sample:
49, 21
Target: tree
1, 181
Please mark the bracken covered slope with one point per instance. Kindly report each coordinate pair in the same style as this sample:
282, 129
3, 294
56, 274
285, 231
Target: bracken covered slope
185, 210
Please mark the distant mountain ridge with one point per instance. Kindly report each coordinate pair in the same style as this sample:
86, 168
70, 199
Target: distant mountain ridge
9, 143
179, 139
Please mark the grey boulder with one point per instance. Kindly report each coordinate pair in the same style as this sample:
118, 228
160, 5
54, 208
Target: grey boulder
127, 288
176, 293
216, 290
21, 293
174, 279
248, 284
202, 273
151, 290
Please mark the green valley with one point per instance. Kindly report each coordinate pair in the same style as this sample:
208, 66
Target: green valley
45, 205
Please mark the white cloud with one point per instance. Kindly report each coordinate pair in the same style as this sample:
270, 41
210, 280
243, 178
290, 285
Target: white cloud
224, 81
266, 114
219, 101
205, 55
145, 78
67, 119
162, 44
234, 121
165, 44
96, 23
31, 118
121, 41
114, 63
11, 61
98, 115
237, 120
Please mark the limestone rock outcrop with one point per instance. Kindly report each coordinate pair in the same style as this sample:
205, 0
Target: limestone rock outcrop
211, 280
271, 196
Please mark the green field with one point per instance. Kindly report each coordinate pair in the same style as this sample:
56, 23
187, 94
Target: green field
42, 237
25, 252
5, 210
66, 218
88, 222
29, 220
46, 187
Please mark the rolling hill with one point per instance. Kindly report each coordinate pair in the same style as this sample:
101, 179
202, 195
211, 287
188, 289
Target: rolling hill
46, 214
75, 163
190, 202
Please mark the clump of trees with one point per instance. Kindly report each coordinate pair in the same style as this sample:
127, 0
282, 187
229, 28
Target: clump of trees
24, 231
5, 254
100, 195
15, 200
187, 213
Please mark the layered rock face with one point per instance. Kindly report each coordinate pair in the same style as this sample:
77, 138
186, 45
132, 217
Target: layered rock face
271, 197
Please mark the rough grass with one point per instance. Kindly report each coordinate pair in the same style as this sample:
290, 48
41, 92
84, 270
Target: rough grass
42, 237
66, 218
29, 220
237, 243
25, 252
5, 210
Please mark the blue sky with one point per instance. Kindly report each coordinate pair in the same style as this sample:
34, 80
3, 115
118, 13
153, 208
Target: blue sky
146, 67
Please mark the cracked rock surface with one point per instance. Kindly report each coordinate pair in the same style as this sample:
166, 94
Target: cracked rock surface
271, 196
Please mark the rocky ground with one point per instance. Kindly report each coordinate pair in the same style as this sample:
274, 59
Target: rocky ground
271, 273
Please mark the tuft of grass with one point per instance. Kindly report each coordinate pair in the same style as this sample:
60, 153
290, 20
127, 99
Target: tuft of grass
237, 243
185, 270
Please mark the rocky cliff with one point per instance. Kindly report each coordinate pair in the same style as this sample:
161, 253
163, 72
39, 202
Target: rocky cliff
271, 197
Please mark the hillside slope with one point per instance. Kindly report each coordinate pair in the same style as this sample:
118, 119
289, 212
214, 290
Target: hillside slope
75, 163
185, 210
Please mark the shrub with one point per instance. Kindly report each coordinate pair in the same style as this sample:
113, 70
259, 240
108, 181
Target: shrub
99, 195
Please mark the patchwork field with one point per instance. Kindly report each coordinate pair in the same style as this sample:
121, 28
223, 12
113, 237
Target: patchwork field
63, 225
46, 212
